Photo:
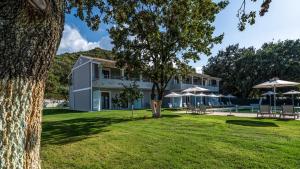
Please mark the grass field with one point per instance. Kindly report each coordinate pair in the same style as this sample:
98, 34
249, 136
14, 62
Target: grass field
112, 139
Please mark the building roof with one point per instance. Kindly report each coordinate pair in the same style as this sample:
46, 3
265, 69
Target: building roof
104, 62
112, 64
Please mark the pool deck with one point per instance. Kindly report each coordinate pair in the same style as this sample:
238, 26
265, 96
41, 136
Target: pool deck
227, 113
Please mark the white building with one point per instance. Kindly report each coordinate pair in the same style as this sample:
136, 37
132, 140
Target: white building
94, 82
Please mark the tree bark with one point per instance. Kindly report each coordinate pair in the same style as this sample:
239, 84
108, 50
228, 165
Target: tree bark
156, 108
29, 38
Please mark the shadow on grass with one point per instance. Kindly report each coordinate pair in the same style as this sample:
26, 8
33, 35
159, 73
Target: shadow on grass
59, 111
252, 123
72, 130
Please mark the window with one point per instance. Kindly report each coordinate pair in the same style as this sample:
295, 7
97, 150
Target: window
213, 82
106, 74
176, 80
204, 82
96, 71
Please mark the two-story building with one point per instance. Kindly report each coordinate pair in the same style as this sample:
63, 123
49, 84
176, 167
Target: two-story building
94, 82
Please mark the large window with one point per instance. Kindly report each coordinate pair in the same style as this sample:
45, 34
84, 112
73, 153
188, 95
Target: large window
176, 80
106, 73
213, 82
96, 71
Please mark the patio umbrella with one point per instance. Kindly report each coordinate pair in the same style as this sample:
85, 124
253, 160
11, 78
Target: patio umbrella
292, 92
187, 94
195, 89
220, 95
269, 93
229, 96
274, 83
201, 95
212, 95
172, 95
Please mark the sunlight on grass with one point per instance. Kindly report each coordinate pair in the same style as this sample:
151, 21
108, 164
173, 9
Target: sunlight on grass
112, 139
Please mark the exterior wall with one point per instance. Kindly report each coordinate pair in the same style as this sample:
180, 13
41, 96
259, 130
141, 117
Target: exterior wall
80, 61
80, 89
143, 103
82, 100
118, 84
146, 99
71, 97
80, 94
81, 77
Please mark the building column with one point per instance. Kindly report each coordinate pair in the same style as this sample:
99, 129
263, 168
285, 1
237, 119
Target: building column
122, 73
192, 79
141, 77
100, 71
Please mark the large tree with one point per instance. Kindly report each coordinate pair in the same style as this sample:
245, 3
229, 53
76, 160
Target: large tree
30, 34
242, 68
158, 38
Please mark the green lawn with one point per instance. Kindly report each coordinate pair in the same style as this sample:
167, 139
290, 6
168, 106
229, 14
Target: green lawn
112, 139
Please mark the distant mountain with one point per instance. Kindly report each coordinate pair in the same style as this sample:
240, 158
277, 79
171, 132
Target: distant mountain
57, 82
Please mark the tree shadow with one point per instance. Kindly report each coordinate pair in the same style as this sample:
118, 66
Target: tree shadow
59, 111
72, 130
252, 123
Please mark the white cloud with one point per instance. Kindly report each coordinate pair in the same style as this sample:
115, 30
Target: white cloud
72, 41
105, 43
199, 69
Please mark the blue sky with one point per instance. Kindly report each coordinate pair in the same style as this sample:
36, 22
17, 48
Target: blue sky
280, 23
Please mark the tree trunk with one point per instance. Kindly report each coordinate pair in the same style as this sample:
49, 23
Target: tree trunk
156, 108
132, 111
30, 35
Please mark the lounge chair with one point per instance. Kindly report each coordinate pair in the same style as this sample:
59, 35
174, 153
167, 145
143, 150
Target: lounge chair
264, 110
202, 109
288, 110
189, 108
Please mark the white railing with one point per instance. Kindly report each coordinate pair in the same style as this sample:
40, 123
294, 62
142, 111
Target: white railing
118, 83
183, 86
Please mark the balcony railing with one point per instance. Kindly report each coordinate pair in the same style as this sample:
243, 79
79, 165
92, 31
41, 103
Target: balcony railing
119, 82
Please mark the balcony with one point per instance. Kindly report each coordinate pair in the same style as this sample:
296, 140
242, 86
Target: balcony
118, 82
182, 86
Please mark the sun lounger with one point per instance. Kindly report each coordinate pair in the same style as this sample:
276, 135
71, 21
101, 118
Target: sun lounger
202, 109
264, 110
288, 110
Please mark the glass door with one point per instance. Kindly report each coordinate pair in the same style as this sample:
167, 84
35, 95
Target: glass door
105, 100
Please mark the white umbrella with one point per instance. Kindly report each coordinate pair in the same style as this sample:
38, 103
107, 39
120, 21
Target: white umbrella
212, 95
274, 83
172, 95
201, 95
195, 89
292, 92
220, 95
187, 94
269, 93
229, 96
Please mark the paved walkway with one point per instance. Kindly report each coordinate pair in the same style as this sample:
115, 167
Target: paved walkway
227, 113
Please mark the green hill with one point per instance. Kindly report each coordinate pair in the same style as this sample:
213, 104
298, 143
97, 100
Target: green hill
57, 82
